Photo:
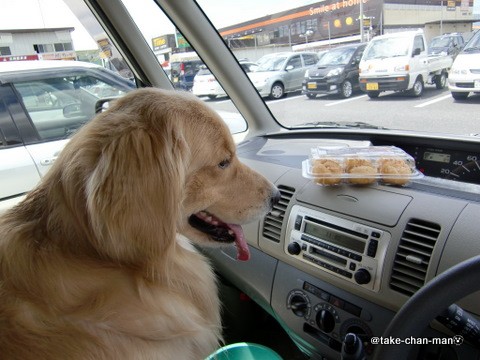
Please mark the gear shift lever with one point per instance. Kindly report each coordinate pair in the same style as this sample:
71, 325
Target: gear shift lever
352, 348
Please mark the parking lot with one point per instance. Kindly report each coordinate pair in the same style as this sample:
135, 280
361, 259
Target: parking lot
433, 111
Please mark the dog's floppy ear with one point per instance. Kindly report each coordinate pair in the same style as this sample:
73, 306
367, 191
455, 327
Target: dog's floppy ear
134, 192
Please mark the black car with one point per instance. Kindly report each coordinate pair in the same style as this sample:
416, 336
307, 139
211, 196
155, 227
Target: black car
335, 73
447, 44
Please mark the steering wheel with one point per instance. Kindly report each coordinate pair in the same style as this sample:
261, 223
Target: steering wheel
437, 295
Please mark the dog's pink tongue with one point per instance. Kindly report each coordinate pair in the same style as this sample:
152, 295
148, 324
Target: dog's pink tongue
243, 253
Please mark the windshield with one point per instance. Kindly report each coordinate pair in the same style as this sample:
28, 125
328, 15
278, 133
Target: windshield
271, 63
440, 42
336, 57
387, 48
280, 35
474, 44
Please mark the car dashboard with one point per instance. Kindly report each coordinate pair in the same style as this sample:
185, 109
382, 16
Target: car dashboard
329, 260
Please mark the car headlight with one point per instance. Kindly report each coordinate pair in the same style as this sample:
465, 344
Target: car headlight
402, 68
334, 72
306, 74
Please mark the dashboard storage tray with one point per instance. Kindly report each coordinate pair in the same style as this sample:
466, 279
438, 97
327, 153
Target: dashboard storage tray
363, 165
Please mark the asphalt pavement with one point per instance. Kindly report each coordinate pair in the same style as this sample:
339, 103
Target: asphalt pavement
434, 111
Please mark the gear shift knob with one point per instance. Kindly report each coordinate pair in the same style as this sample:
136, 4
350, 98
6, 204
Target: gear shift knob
352, 348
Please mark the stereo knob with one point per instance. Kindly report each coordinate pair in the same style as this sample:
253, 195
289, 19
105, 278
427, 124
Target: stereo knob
362, 276
294, 248
325, 320
299, 305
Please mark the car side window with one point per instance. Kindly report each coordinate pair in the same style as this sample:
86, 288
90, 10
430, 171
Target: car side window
309, 59
3, 112
295, 61
9, 135
418, 43
59, 106
358, 55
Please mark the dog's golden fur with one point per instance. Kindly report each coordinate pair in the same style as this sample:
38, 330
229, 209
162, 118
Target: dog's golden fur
95, 264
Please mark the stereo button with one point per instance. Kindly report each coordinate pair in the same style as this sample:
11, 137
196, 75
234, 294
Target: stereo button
355, 257
298, 222
372, 248
362, 276
294, 248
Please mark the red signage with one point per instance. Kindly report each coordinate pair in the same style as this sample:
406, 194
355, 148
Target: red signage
18, 57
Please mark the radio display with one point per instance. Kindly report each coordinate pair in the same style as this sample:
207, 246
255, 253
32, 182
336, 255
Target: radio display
334, 237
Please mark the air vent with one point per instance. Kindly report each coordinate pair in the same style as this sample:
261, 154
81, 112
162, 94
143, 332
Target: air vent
272, 224
413, 256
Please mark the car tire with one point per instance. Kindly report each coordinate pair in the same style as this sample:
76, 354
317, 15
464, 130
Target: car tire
441, 80
417, 89
277, 91
346, 89
460, 95
311, 96
373, 94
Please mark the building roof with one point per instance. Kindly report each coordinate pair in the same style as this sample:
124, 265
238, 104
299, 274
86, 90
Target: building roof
36, 30
454, 21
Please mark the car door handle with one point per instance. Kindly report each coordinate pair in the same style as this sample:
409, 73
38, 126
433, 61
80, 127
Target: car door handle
48, 161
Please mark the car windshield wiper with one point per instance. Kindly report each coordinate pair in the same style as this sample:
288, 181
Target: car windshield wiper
376, 57
340, 125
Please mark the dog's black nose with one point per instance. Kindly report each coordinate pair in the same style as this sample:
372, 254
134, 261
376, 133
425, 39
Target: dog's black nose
276, 196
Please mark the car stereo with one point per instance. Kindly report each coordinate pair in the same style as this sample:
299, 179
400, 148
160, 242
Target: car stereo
349, 250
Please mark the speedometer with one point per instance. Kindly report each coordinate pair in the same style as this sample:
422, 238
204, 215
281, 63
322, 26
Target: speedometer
451, 165
467, 170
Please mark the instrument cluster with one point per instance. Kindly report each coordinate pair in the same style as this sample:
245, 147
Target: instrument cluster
455, 165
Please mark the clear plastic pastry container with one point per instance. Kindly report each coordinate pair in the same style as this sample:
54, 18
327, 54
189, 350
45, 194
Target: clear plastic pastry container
363, 165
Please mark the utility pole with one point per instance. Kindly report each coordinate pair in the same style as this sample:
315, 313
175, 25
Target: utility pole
361, 22
441, 17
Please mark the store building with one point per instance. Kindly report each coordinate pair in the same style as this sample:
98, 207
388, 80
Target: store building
328, 23
37, 44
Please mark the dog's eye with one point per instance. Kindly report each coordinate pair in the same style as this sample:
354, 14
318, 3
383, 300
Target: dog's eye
224, 164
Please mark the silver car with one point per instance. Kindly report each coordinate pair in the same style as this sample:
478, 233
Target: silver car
42, 103
280, 73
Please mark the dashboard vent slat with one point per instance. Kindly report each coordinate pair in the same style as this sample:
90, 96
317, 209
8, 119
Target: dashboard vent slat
413, 256
273, 222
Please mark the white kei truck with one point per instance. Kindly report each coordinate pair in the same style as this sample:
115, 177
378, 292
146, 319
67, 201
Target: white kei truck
400, 62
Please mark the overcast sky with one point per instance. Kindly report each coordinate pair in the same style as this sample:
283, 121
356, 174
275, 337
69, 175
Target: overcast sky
55, 13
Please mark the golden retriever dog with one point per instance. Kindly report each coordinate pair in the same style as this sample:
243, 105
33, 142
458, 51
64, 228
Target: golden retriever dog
98, 263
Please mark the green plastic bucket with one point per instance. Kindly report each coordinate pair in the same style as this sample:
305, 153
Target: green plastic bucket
244, 351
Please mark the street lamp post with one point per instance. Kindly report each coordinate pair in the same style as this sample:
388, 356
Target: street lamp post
306, 35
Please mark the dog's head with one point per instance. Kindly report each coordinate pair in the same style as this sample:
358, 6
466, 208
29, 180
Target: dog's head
155, 164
